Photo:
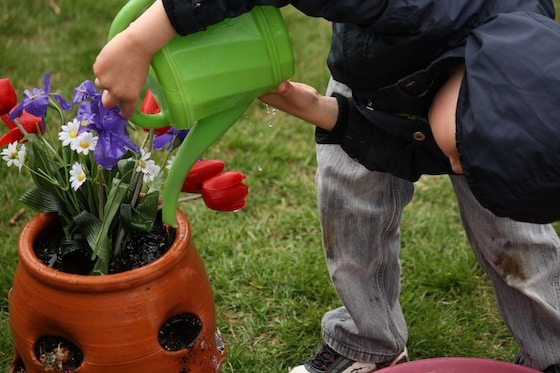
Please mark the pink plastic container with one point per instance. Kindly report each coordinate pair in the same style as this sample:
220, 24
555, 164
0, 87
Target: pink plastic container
458, 365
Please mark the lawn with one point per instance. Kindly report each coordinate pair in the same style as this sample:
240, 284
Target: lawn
265, 262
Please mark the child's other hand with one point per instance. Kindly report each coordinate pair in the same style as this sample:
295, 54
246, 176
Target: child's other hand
303, 101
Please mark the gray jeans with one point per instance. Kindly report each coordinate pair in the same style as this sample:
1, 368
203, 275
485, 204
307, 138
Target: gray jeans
360, 213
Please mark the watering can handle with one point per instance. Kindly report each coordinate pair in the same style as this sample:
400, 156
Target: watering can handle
128, 14
157, 120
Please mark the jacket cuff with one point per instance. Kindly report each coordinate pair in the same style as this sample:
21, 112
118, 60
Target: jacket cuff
335, 136
181, 14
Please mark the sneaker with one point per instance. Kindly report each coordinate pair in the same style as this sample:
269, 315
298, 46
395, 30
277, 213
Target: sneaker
328, 360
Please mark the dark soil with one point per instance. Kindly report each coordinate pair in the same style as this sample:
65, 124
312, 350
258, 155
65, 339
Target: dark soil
141, 248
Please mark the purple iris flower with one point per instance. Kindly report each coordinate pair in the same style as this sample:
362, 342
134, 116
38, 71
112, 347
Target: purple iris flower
85, 91
113, 138
88, 97
85, 116
168, 138
36, 101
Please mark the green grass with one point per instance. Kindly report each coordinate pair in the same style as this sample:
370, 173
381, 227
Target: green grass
265, 262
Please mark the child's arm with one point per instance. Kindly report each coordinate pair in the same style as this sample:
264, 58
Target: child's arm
303, 101
122, 65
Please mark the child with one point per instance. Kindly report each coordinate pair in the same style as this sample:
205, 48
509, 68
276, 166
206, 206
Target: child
400, 71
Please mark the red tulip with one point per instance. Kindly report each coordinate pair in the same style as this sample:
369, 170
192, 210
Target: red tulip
8, 96
225, 192
201, 171
29, 122
150, 106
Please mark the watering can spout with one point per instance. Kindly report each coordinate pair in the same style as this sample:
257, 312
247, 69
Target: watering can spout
210, 78
200, 137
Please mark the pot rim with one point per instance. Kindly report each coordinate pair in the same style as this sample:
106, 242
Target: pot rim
90, 283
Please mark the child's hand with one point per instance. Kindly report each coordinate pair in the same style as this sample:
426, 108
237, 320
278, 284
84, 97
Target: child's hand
120, 69
303, 101
122, 65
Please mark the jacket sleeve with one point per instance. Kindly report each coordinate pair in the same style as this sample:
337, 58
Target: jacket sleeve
189, 16
380, 142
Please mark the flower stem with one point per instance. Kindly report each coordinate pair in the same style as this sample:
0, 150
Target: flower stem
20, 127
100, 193
189, 198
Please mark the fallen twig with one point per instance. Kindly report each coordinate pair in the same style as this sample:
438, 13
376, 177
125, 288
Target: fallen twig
15, 218
54, 6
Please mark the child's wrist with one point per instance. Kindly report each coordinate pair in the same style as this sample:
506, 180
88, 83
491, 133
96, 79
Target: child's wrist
141, 32
328, 107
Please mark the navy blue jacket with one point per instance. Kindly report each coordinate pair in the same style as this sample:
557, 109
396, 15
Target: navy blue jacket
395, 55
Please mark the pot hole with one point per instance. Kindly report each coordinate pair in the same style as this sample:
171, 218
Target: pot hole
180, 332
57, 354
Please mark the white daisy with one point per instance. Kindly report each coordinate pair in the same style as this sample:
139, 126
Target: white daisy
170, 162
14, 156
77, 176
147, 166
84, 123
85, 143
69, 133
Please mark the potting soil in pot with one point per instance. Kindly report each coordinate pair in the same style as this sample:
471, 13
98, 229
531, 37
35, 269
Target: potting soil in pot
50, 250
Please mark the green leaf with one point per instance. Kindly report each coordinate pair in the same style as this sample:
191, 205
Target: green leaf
92, 229
91, 226
42, 162
74, 244
126, 169
97, 231
144, 215
42, 200
125, 212
157, 184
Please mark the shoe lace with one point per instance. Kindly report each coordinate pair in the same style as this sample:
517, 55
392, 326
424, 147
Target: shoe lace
324, 358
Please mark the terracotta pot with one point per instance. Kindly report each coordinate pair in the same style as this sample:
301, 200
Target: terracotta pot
115, 320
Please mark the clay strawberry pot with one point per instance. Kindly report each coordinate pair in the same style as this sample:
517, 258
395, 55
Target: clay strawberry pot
117, 322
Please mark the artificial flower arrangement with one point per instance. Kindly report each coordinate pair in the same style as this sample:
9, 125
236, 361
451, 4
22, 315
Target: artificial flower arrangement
93, 175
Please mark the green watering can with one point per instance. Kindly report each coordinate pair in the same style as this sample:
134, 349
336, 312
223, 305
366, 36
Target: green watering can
206, 81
